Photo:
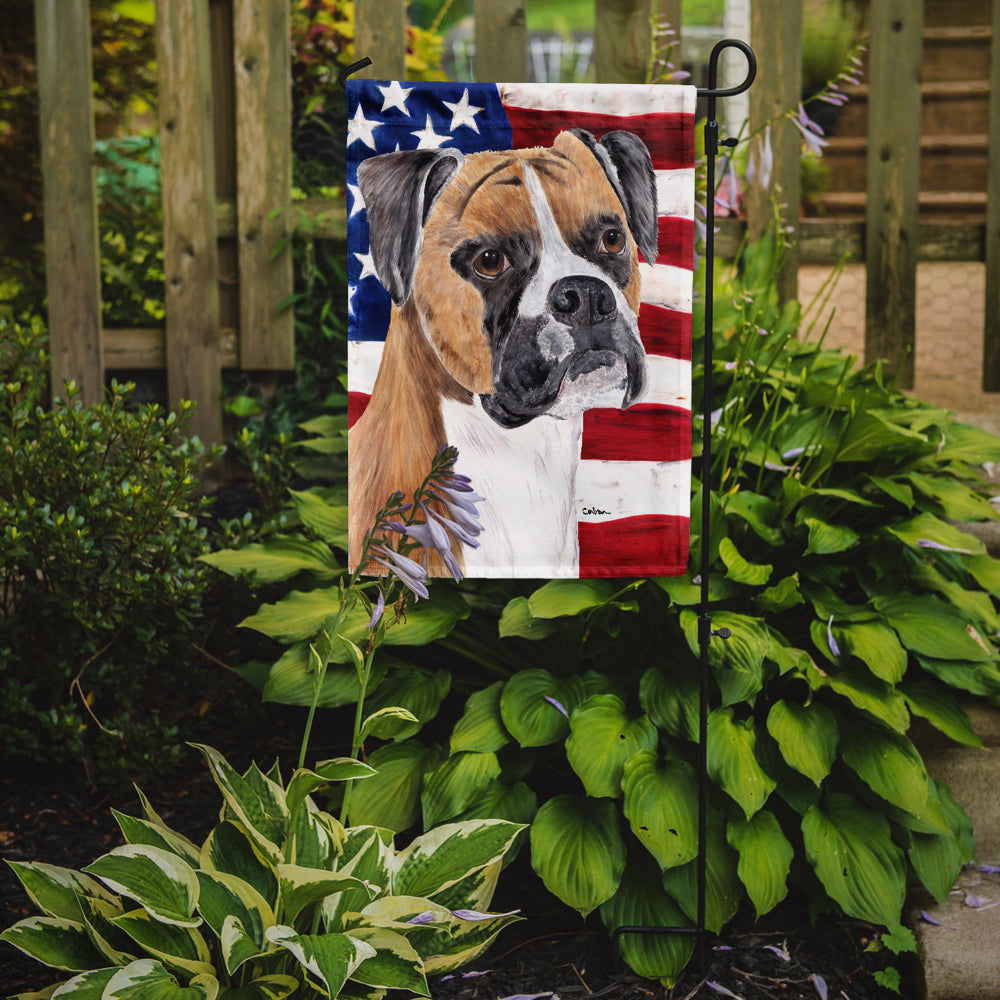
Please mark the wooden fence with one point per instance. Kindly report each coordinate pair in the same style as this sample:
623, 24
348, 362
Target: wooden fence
226, 160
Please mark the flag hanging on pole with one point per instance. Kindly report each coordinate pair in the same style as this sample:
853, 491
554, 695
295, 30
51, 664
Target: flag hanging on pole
520, 280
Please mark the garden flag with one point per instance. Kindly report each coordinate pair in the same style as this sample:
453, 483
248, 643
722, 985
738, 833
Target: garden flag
520, 280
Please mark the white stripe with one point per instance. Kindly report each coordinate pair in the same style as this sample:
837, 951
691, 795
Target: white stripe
363, 360
603, 99
669, 382
675, 192
665, 285
628, 489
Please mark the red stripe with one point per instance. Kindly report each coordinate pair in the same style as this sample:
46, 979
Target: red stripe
665, 331
647, 545
676, 242
647, 432
668, 137
357, 403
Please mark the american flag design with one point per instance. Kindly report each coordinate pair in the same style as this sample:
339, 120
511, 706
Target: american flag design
631, 489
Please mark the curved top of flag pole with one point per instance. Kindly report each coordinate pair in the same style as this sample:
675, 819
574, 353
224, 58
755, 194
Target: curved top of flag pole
712, 91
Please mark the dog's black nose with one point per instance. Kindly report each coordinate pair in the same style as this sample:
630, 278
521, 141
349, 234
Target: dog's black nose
582, 301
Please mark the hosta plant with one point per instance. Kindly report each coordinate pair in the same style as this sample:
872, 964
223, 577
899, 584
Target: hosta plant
279, 900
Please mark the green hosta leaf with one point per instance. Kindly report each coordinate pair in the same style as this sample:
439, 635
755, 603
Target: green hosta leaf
225, 897
965, 443
56, 891
807, 736
301, 887
516, 803
456, 784
723, 889
147, 979
578, 851
870, 435
279, 558
528, 710
443, 856
330, 959
292, 680
180, 948
937, 859
928, 528
986, 571
976, 678
395, 964
481, 728
641, 901
957, 501
386, 723
932, 628
671, 700
54, 941
876, 646
758, 511
827, 539
941, 709
602, 738
260, 809
661, 798
391, 798
159, 881
850, 848
732, 760
327, 520
683, 592
783, 595
893, 488
415, 689
738, 661
230, 849
888, 763
517, 620
865, 692
976, 605
304, 782
558, 598
141, 831
765, 858
752, 574
275, 987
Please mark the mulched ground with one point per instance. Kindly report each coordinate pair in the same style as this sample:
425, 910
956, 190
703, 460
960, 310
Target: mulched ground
45, 818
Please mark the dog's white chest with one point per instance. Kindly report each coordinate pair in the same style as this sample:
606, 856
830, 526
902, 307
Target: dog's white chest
528, 477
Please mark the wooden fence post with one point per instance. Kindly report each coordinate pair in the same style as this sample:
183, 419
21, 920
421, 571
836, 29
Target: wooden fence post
991, 333
380, 34
262, 60
623, 37
72, 255
893, 183
190, 251
776, 34
501, 41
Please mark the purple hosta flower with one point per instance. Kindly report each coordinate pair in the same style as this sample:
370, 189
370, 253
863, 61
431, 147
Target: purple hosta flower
990, 869
820, 983
465, 975
411, 574
475, 915
431, 535
719, 988
761, 164
460, 502
377, 612
927, 543
811, 132
427, 917
834, 648
780, 952
727, 198
559, 705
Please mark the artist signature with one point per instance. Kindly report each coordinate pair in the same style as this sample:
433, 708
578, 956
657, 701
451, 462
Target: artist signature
595, 510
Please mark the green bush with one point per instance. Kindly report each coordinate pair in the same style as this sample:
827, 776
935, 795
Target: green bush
99, 546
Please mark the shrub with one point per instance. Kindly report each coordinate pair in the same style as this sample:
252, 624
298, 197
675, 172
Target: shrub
99, 539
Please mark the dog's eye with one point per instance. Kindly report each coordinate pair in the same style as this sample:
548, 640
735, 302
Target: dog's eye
490, 264
613, 241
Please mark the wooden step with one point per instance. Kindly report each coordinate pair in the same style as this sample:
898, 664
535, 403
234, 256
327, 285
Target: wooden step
958, 206
956, 53
940, 13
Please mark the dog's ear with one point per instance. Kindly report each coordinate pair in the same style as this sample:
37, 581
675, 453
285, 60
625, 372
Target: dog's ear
629, 167
399, 191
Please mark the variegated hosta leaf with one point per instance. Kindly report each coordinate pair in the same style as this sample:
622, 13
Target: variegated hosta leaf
54, 941
807, 736
177, 947
116, 946
850, 847
274, 987
86, 986
441, 857
315, 838
467, 940
230, 849
141, 831
304, 782
366, 855
56, 891
456, 784
301, 887
149, 980
329, 959
256, 801
602, 737
765, 858
475, 891
481, 727
661, 799
732, 760
395, 964
238, 945
578, 851
642, 902
158, 880
225, 897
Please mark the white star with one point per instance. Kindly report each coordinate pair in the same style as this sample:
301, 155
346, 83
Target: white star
360, 128
395, 96
463, 113
357, 200
367, 266
429, 139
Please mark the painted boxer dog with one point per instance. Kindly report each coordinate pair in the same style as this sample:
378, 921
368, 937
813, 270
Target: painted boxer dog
515, 287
